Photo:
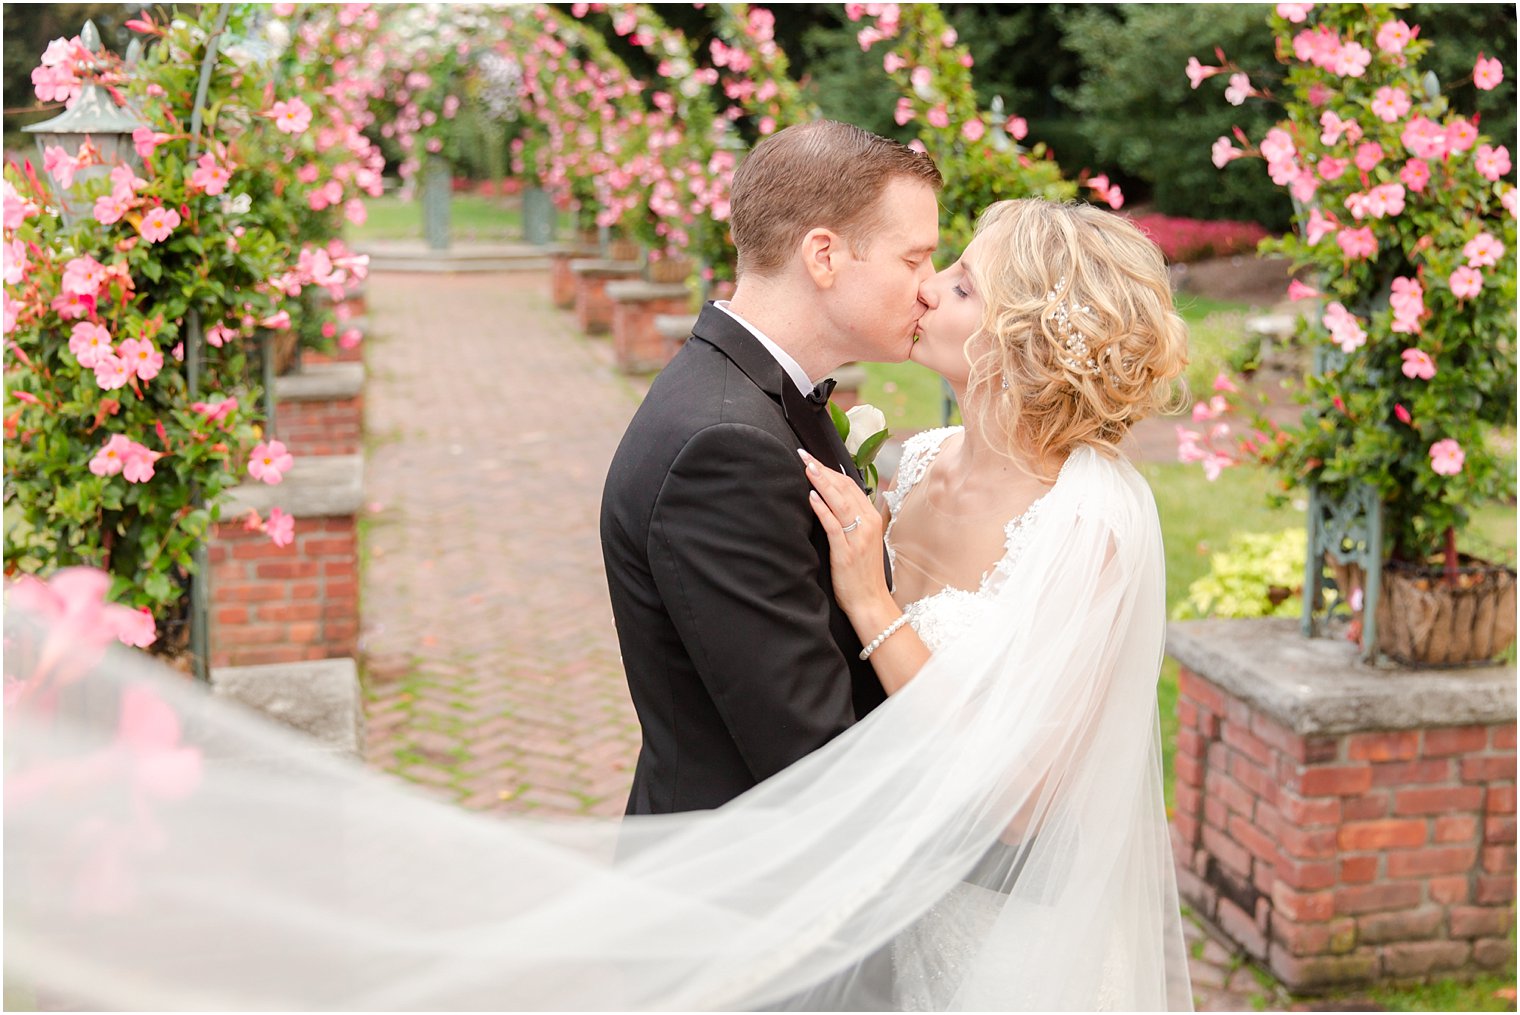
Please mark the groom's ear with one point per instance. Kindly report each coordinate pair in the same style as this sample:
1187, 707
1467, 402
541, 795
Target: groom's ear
821, 250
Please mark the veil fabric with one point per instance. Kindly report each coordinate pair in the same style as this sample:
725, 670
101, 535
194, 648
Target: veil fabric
996, 829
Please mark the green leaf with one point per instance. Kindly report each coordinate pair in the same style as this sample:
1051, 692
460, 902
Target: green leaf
872, 446
841, 421
159, 587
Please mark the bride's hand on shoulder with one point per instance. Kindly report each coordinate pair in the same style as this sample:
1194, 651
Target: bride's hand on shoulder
854, 528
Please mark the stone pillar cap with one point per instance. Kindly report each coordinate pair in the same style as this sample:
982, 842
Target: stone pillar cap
1319, 686
637, 290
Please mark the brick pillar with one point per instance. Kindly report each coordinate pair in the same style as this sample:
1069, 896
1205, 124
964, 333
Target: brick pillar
561, 278
593, 310
1343, 824
273, 604
637, 344
320, 410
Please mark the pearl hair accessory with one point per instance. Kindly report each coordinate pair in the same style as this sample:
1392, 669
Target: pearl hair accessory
1078, 356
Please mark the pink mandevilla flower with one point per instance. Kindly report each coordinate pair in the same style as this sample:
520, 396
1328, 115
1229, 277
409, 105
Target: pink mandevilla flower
1492, 163
143, 359
904, 111
1352, 59
111, 372
291, 117
89, 342
269, 462
1418, 364
1389, 104
219, 334
110, 458
1331, 169
1197, 73
1238, 90
1408, 303
1299, 291
1446, 457
158, 223
938, 116
1224, 152
83, 276
1319, 226
1368, 155
1483, 250
1402, 413
1357, 244
1295, 13
1487, 73
281, 527
1424, 138
1461, 135
972, 130
1415, 174
1393, 36
138, 467
1345, 330
210, 176
109, 209
1466, 282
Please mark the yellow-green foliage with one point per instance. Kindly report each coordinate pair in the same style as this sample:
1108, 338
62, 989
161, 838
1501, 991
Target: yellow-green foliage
1246, 577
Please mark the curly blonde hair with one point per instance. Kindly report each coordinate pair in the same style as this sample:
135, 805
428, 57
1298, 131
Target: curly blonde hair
1052, 277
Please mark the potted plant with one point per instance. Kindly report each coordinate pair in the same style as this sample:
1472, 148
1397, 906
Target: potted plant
1407, 232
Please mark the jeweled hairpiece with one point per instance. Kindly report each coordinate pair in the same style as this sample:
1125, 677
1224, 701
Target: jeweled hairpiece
1078, 356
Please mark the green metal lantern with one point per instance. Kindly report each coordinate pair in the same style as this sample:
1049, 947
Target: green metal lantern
97, 120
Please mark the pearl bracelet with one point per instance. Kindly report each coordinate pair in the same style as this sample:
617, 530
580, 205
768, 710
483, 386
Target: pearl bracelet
865, 653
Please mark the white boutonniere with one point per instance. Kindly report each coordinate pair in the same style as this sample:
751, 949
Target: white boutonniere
863, 430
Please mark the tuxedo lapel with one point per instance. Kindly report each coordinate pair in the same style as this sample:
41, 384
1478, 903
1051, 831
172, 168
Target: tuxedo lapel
812, 424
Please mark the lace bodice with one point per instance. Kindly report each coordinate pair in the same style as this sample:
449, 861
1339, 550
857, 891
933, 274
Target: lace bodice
939, 618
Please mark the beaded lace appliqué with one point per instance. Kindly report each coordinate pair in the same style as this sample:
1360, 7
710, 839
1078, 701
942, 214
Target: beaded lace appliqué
941, 617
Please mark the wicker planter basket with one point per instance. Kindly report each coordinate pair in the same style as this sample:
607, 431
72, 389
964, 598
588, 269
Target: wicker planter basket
672, 270
1425, 620
622, 249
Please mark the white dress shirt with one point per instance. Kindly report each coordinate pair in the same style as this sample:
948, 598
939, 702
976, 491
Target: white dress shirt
798, 375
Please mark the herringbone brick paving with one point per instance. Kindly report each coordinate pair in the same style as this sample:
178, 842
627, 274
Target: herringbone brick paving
491, 664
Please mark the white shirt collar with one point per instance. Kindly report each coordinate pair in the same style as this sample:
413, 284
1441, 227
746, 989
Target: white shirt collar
798, 375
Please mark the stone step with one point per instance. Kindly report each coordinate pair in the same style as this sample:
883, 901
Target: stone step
321, 698
416, 256
317, 486
319, 382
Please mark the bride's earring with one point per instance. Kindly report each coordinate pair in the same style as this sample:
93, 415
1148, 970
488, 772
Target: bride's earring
1005, 384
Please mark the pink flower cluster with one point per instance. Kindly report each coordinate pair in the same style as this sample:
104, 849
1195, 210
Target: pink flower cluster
57, 79
1344, 327
1107, 192
1408, 303
279, 527
73, 603
1325, 49
125, 456
1182, 239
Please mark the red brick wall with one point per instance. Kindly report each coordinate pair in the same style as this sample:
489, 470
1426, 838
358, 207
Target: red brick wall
1348, 857
562, 279
322, 427
272, 604
593, 309
636, 343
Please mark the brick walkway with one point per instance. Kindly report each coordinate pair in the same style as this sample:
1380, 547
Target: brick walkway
491, 663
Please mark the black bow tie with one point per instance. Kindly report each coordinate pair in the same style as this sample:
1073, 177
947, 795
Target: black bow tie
820, 396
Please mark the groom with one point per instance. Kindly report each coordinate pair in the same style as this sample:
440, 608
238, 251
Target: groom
739, 661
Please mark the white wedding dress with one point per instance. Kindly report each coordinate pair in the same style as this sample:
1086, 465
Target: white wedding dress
167, 850
933, 956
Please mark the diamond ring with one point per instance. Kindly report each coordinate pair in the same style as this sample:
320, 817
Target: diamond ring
852, 526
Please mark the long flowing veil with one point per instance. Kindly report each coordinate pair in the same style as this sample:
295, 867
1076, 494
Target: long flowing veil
171, 851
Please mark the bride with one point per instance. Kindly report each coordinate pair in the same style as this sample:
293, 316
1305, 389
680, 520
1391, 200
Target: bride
993, 837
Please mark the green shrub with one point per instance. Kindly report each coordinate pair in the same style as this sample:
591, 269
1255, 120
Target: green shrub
1259, 574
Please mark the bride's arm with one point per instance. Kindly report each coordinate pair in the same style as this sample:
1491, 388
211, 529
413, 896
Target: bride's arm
860, 585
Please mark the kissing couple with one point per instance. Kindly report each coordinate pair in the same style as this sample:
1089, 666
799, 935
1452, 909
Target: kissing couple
904, 758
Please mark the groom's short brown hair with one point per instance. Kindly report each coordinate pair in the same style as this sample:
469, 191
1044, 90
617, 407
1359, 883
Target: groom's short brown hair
822, 174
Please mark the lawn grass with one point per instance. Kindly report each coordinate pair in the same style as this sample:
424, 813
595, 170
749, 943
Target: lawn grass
473, 218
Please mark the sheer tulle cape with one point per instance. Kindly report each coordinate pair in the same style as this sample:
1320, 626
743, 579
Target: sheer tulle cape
271, 875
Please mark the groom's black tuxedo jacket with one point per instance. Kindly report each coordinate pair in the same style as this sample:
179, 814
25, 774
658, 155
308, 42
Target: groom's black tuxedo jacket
739, 661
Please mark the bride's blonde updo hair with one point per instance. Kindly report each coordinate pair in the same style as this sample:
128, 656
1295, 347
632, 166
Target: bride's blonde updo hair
1079, 314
